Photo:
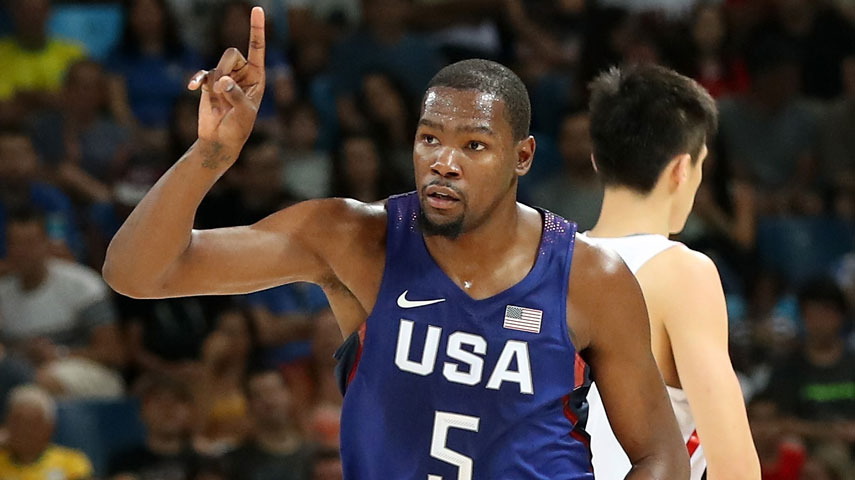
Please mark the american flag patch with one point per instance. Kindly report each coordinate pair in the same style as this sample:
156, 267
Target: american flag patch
522, 319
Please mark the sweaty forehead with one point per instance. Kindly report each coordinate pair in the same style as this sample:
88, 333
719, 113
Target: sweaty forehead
453, 107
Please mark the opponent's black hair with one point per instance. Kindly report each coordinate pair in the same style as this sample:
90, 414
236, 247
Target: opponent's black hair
641, 118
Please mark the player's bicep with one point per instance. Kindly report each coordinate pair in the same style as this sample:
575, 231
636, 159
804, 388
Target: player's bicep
282, 248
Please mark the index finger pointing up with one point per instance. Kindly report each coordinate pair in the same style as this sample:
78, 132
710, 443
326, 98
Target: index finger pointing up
256, 38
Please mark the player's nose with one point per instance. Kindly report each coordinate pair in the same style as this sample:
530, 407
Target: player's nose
446, 164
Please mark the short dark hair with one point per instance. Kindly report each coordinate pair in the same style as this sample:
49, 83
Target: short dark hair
486, 76
26, 214
822, 290
643, 116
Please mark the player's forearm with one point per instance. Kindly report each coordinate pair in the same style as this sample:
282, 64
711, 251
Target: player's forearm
670, 466
668, 461
159, 230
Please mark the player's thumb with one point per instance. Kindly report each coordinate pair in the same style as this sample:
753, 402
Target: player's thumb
236, 96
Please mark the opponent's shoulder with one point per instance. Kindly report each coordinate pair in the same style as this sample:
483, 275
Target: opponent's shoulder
682, 267
682, 284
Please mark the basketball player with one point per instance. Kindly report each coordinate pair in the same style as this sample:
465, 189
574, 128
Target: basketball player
649, 128
461, 306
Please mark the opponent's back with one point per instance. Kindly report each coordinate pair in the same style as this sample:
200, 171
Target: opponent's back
609, 459
448, 387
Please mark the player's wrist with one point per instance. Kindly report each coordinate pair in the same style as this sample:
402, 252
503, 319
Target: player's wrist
216, 154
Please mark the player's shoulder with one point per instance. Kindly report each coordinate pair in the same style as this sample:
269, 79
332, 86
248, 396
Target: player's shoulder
330, 215
598, 271
602, 293
594, 261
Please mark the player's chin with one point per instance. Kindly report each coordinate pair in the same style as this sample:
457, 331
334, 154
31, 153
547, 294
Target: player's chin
441, 223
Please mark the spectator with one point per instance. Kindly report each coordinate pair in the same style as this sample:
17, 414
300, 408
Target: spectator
723, 222
13, 372
28, 453
769, 135
549, 37
821, 36
34, 63
221, 403
389, 118
815, 387
837, 148
284, 318
165, 337
781, 457
166, 454
382, 44
360, 172
327, 465
80, 139
674, 8
308, 168
151, 64
276, 448
134, 177
322, 424
59, 315
575, 193
320, 20
709, 57
20, 187
256, 188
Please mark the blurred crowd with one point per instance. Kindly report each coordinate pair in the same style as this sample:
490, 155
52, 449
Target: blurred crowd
94, 108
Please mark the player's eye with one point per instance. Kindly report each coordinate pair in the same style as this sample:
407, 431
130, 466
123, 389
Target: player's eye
476, 146
430, 139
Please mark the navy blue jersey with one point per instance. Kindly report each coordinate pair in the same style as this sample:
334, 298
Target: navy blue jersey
445, 387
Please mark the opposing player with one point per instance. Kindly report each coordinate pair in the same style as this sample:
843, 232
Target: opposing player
649, 127
461, 303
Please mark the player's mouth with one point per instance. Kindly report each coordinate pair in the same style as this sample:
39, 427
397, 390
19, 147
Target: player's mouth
441, 198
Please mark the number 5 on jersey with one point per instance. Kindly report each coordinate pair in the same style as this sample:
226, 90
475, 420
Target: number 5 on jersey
441, 424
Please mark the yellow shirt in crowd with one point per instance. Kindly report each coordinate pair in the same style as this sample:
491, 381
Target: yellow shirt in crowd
35, 70
57, 463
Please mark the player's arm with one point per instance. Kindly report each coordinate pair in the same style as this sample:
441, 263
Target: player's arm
613, 333
693, 310
156, 252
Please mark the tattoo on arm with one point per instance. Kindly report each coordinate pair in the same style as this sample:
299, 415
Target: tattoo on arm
214, 156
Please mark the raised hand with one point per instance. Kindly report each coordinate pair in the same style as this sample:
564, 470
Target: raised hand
231, 92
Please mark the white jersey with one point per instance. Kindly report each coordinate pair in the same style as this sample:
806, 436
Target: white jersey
610, 461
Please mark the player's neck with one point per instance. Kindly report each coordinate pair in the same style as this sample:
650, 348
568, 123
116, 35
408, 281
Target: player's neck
625, 212
502, 236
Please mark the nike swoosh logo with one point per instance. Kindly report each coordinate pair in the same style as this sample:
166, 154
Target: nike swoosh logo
404, 303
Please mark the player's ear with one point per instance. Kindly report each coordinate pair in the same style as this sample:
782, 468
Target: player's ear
678, 170
594, 164
525, 155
